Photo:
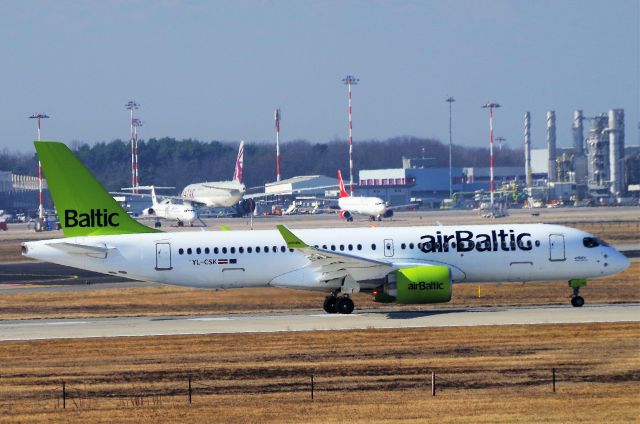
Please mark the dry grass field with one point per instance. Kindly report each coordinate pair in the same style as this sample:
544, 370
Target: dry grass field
499, 374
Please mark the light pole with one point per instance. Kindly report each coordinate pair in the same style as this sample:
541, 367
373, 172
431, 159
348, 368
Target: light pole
491, 106
277, 117
136, 123
450, 100
38, 117
131, 106
350, 80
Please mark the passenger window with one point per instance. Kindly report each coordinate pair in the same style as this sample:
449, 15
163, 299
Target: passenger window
410, 245
198, 251
283, 249
206, 250
324, 246
373, 246
181, 251
333, 247
403, 246
266, 249
291, 250
249, 249
350, 247
359, 247
188, 251
341, 247
224, 250
274, 249
216, 250
258, 249
240, 249
233, 250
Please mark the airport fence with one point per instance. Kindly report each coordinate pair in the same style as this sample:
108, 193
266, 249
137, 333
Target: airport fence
83, 393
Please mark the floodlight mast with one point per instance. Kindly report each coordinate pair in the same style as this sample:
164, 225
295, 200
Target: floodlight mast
491, 106
450, 100
131, 106
277, 116
38, 117
136, 123
350, 80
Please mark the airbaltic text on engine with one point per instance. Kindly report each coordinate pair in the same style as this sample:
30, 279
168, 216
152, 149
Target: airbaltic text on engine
95, 218
466, 241
422, 285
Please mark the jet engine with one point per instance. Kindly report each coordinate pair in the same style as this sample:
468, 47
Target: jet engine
416, 285
346, 215
149, 211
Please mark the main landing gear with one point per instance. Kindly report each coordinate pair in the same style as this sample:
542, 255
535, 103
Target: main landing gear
577, 300
338, 304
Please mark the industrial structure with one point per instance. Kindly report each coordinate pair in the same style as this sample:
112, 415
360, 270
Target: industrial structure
597, 168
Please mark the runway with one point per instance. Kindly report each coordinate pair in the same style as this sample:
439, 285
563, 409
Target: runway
312, 321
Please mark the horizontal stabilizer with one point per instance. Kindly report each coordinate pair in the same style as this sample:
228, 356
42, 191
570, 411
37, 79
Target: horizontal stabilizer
81, 249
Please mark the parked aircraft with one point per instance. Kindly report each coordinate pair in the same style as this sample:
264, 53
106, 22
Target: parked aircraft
406, 265
166, 209
218, 194
374, 207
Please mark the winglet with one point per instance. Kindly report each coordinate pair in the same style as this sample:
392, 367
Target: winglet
293, 242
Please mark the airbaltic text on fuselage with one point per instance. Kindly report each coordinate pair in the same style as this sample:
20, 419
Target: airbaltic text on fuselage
95, 218
466, 241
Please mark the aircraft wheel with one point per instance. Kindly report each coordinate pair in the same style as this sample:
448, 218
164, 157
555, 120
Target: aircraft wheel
180, 224
158, 224
345, 305
577, 301
329, 305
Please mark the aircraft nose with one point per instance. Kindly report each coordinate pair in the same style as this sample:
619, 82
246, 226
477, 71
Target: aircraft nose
619, 262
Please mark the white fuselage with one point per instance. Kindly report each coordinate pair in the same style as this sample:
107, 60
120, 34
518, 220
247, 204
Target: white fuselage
371, 206
171, 211
218, 194
235, 259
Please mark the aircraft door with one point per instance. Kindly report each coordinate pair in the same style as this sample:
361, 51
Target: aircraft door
163, 256
556, 247
388, 248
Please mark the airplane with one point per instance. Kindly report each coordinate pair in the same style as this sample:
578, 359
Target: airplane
218, 194
165, 209
405, 265
374, 207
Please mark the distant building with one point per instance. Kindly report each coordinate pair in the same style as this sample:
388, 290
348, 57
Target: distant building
20, 193
400, 186
304, 185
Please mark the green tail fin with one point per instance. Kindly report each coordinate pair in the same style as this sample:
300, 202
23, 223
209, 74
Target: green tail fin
84, 206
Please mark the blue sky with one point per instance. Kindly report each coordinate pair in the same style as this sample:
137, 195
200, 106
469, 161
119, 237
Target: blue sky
215, 70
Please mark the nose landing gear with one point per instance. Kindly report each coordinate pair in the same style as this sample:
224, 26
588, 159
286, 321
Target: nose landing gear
577, 300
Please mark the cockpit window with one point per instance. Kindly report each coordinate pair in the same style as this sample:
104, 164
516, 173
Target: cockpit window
590, 242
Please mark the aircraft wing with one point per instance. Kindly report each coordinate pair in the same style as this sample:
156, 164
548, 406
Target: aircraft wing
333, 264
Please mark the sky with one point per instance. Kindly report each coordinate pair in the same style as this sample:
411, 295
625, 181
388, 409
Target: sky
216, 70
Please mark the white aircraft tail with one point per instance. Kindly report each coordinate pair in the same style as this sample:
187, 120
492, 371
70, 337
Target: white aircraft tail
237, 174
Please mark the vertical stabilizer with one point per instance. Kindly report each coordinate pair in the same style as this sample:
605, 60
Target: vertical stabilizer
84, 206
343, 192
237, 174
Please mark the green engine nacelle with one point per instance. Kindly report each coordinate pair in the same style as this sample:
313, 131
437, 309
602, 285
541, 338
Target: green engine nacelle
418, 285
